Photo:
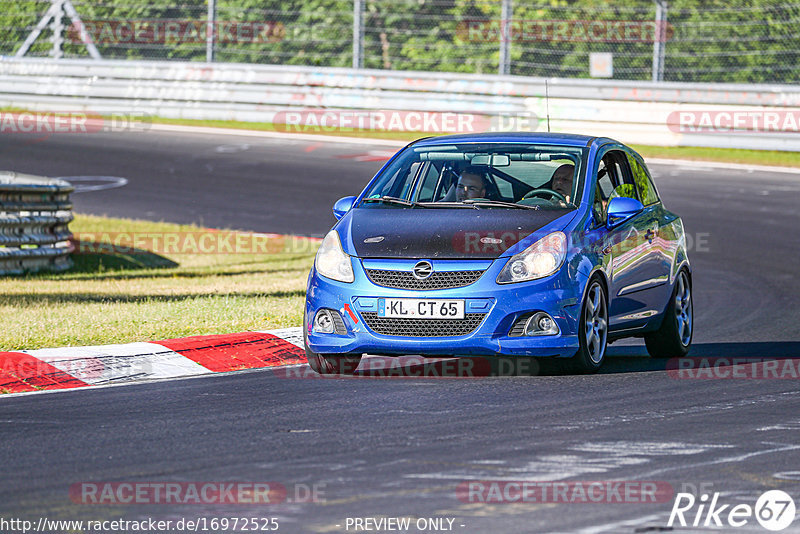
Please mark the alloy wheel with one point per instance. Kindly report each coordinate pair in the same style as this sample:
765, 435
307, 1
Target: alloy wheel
683, 309
596, 323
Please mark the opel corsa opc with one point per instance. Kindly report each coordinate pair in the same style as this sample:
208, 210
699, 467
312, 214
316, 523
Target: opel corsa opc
526, 245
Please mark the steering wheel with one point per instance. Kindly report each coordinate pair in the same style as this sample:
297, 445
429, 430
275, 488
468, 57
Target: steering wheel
545, 191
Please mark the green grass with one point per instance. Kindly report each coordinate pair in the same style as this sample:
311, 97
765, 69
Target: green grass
272, 127
144, 294
730, 155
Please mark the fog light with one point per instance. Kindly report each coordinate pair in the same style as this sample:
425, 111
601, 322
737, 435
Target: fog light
541, 324
323, 322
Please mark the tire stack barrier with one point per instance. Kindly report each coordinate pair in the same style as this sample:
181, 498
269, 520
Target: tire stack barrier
34, 216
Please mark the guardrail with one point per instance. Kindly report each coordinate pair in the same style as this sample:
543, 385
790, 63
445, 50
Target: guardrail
634, 112
34, 216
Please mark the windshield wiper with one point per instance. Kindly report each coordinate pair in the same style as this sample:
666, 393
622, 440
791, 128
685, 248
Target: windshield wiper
473, 203
498, 203
396, 201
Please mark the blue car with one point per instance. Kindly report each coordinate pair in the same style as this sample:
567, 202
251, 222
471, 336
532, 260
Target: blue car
502, 244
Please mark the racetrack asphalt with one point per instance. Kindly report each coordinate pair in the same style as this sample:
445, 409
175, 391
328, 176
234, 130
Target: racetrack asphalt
380, 447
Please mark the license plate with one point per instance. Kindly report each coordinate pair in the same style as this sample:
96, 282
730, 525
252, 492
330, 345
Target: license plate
421, 308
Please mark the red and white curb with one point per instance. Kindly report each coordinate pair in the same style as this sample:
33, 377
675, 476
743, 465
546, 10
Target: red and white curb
74, 367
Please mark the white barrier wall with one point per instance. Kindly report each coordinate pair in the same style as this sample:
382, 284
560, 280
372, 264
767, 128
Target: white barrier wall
632, 112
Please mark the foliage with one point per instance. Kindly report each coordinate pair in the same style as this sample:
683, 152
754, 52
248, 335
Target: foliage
745, 41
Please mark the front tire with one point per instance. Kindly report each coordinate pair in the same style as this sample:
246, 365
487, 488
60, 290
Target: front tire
674, 336
592, 330
335, 364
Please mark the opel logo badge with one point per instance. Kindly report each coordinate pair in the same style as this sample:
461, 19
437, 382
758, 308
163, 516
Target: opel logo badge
423, 270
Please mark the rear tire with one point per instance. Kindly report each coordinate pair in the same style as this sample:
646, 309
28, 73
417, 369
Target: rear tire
674, 336
592, 330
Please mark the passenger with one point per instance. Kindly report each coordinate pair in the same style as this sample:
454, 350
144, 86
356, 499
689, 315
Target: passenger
471, 184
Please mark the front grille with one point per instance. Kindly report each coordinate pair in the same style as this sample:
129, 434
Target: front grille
423, 327
437, 280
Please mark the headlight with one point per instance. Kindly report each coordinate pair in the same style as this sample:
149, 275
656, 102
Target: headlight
331, 261
541, 259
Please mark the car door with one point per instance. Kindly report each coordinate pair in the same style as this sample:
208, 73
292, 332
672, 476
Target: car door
662, 237
632, 261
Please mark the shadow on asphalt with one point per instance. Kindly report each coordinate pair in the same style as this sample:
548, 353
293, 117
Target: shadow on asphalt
622, 359
633, 359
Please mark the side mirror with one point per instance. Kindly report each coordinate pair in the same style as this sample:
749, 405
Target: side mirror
620, 209
342, 206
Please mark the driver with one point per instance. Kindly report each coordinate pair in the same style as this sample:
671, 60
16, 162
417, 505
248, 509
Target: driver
561, 182
471, 184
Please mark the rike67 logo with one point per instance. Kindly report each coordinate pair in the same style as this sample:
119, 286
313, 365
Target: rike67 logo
774, 510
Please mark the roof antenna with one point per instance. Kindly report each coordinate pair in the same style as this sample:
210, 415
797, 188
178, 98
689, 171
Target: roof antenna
547, 103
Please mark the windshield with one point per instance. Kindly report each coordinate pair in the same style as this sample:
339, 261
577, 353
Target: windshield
492, 175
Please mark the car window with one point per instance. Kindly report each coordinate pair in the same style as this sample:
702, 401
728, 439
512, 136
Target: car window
623, 180
604, 182
430, 179
534, 174
614, 179
605, 186
409, 182
396, 181
539, 176
644, 184
624, 190
505, 188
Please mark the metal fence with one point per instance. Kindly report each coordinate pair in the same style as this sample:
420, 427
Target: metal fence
34, 216
739, 41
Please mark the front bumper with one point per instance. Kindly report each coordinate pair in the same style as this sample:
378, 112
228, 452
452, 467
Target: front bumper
559, 295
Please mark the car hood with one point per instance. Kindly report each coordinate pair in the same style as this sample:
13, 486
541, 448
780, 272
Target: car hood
443, 233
